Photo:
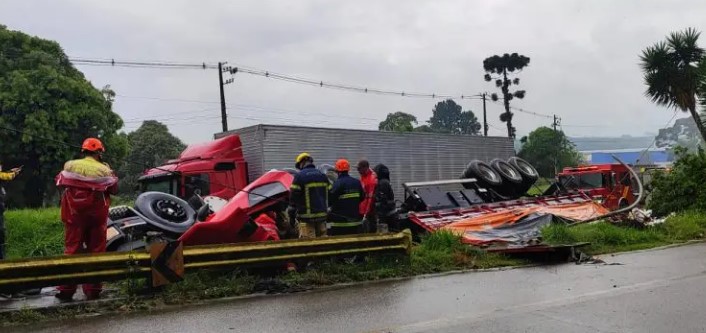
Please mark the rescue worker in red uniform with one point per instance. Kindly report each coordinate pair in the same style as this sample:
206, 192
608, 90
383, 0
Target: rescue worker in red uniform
87, 184
367, 206
344, 200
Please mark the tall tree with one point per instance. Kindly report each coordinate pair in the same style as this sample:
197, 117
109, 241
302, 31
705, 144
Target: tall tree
398, 122
47, 108
544, 148
674, 72
150, 146
447, 117
500, 69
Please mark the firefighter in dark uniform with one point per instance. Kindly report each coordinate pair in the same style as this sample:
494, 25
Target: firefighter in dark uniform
344, 200
309, 198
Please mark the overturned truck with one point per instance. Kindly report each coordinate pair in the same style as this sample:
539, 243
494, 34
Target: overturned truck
207, 200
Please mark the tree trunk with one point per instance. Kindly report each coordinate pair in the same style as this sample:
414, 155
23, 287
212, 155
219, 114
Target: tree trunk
506, 102
697, 119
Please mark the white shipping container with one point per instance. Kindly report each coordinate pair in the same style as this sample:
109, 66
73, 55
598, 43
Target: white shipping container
409, 156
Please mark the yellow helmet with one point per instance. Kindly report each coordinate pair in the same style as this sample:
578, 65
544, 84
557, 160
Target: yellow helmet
301, 157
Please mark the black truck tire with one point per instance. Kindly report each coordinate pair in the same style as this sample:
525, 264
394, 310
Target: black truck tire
527, 171
508, 173
513, 186
483, 173
118, 212
166, 212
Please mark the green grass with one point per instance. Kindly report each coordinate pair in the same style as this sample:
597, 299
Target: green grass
540, 186
606, 238
34, 233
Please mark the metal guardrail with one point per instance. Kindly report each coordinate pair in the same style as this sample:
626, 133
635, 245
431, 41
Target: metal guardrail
85, 268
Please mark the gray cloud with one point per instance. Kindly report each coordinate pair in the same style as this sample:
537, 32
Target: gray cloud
584, 55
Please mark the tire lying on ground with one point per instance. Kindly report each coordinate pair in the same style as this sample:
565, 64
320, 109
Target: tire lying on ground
512, 180
486, 176
527, 171
166, 212
119, 212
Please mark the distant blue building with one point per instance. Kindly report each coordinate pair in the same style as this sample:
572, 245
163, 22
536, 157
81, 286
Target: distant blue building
656, 156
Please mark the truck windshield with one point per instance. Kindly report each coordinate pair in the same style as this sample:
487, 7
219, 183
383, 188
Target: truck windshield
582, 181
166, 184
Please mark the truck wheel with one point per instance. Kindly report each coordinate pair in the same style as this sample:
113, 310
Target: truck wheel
506, 171
166, 212
484, 173
526, 170
118, 212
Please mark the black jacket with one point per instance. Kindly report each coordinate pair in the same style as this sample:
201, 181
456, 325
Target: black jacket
384, 195
345, 198
309, 194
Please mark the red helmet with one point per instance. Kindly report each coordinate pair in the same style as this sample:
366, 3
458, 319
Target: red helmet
343, 165
93, 145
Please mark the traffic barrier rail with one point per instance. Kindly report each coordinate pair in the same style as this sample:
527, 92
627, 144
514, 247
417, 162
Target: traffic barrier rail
21, 274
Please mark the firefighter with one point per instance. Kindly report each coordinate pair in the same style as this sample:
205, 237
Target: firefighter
367, 208
4, 176
87, 184
385, 207
344, 199
309, 198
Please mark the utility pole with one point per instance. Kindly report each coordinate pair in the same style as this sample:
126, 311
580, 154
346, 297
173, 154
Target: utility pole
224, 116
557, 145
485, 120
221, 83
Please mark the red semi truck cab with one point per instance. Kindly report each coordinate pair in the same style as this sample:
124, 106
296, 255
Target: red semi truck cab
215, 168
611, 184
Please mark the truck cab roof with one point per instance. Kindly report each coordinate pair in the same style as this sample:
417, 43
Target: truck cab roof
203, 156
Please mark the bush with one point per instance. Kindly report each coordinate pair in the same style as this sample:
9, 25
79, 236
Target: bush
683, 187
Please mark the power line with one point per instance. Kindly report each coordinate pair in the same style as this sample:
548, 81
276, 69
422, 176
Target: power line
269, 74
169, 99
525, 111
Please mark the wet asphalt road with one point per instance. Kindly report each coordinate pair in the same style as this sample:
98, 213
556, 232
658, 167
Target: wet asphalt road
653, 291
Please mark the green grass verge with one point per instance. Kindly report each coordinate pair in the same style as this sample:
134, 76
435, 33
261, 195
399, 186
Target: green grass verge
34, 233
606, 238
541, 185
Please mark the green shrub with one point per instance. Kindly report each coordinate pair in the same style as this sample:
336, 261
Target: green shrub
683, 187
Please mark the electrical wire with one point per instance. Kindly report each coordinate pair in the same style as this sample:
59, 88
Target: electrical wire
267, 74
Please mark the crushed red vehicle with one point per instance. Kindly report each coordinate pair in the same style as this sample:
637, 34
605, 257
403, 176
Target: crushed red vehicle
252, 215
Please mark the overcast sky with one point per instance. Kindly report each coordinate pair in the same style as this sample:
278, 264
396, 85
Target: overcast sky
584, 57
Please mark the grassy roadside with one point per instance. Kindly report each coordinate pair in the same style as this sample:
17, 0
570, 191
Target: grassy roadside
438, 252
34, 233
608, 238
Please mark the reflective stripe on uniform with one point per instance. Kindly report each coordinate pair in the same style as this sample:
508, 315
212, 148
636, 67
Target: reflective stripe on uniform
343, 224
307, 197
310, 216
317, 184
295, 187
350, 196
